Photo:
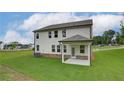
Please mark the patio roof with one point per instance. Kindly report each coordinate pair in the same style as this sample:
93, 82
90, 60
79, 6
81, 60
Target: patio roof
76, 38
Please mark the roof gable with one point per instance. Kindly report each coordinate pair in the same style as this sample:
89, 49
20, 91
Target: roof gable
63, 25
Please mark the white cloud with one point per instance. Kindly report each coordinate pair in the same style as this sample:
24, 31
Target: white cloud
12, 35
40, 20
101, 23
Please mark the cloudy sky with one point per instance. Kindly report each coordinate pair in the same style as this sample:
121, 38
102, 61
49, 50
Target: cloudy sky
19, 26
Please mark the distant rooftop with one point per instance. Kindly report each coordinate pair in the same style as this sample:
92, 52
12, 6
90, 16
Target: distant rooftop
64, 25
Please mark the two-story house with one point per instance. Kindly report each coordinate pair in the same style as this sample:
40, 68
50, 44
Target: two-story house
69, 41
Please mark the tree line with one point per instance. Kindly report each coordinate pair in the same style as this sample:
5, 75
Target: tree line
110, 37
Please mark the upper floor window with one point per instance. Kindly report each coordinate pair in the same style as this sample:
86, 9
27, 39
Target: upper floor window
50, 34
37, 36
64, 33
37, 48
64, 48
56, 34
58, 48
53, 48
82, 48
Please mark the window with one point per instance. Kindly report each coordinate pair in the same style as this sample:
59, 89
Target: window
58, 48
82, 48
37, 36
56, 34
64, 48
50, 34
53, 48
64, 33
38, 47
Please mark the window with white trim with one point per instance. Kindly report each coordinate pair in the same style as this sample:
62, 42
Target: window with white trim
58, 48
53, 48
56, 33
82, 48
64, 33
38, 47
50, 34
37, 36
64, 48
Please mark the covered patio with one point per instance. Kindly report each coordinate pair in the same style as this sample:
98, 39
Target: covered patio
79, 50
77, 62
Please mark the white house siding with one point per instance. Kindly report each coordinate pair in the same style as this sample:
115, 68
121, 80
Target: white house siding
77, 50
78, 61
84, 31
45, 42
77, 47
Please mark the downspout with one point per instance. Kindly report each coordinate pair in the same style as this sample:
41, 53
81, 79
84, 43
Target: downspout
34, 43
91, 45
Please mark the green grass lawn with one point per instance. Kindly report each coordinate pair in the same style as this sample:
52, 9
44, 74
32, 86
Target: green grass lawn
106, 47
108, 65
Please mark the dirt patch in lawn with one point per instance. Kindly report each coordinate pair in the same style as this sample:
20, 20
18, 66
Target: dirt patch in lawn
14, 75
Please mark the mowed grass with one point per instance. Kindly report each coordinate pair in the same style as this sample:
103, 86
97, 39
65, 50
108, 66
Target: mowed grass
108, 65
107, 47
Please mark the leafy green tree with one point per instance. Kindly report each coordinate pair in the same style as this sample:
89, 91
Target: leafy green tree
122, 28
118, 38
97, 40
122, 32
107, 35
14, 45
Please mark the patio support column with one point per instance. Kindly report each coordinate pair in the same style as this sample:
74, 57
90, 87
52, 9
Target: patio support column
89, 53
62, 54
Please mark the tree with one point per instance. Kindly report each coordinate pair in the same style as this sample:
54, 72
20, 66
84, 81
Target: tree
14, 45
122, 28
107, 35
122, 32
118, 37
97, 40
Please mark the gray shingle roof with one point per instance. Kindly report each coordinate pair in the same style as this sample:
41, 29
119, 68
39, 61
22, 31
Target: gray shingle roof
76, 38
63, 25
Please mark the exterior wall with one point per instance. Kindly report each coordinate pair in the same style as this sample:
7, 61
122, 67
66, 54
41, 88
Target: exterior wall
77, 50
82, 57
45, 42
76, 45
84, 31
51, 55
67, 57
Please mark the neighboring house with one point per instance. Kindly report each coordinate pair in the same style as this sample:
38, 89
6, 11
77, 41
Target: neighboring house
25, 46
18, 46
114, 40
1, 45
69, 41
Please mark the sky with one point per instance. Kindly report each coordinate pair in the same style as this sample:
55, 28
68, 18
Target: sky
18, 26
